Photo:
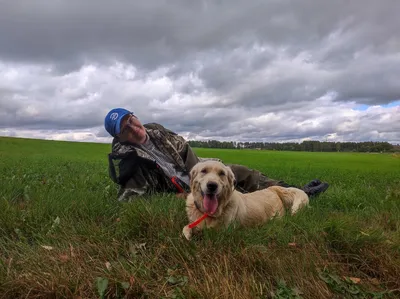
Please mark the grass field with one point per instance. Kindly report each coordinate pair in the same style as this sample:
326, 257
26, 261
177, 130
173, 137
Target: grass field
64, 235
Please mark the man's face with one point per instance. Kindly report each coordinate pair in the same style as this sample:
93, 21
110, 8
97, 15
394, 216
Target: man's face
132, 130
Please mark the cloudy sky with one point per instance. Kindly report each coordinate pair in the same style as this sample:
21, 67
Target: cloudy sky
268, 70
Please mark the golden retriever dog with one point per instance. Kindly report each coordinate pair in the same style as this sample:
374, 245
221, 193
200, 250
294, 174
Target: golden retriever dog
213, 201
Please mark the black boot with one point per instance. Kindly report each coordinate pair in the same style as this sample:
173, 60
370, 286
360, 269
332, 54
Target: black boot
315, 187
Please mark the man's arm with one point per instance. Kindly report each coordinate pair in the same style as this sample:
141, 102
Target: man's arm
180, 144
188, 156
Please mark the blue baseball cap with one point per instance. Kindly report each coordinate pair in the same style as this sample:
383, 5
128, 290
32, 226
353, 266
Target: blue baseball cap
112, 121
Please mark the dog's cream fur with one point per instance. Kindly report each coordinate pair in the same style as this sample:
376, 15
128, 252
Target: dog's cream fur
247, 208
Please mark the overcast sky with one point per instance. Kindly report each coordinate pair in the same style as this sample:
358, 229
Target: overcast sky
268, 70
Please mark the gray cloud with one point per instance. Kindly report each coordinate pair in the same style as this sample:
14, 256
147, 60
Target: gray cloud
249, 70
152, 32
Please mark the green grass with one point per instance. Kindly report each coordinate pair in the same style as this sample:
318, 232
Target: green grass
64, 235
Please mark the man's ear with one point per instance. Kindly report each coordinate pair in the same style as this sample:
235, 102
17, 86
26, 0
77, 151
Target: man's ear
231, 178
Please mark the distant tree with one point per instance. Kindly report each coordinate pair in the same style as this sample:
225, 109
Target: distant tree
309, 146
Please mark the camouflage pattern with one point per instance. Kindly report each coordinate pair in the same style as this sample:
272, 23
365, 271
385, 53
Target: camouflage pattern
136, 173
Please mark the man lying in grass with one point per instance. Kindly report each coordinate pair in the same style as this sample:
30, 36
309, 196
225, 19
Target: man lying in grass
150, 158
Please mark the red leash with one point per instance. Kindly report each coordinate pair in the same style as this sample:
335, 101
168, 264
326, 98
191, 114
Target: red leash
193, 224
177, 184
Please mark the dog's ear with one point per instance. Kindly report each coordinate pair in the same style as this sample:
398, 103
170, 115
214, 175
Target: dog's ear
231, 178
192, 174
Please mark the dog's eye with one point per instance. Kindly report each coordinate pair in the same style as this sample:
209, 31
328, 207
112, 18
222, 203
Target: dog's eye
204, 170
221, 173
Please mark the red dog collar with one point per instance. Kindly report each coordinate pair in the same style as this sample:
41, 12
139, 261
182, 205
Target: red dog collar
195, 223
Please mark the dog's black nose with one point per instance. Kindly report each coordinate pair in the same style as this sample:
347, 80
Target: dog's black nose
212, 186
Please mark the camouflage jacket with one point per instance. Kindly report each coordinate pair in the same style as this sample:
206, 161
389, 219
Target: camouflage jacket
137, 173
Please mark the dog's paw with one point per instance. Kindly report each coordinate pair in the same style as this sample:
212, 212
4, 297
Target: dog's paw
187, 232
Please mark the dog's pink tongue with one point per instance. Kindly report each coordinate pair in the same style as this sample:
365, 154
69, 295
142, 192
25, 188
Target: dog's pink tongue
210, 203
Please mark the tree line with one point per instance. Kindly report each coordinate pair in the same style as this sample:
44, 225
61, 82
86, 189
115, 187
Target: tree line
308, 146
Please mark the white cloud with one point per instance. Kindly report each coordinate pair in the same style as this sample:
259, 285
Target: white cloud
73, 106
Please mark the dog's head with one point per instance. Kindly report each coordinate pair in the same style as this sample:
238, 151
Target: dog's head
211, 183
